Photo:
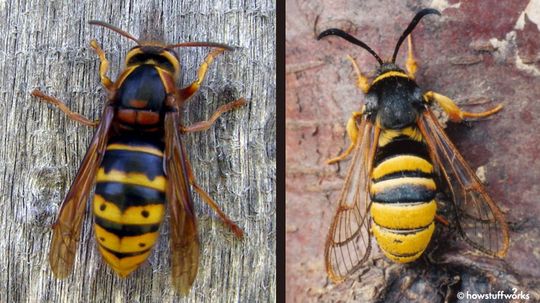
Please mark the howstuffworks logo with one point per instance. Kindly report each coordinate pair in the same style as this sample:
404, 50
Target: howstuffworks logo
500, 295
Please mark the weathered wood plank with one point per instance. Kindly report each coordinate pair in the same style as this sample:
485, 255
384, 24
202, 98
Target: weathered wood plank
44, 44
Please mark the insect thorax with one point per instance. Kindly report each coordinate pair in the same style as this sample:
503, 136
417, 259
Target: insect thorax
394, 102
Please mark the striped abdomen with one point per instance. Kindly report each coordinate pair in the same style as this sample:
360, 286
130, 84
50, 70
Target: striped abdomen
403, 194
129, 201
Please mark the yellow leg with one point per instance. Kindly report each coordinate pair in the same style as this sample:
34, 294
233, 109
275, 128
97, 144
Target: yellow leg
352, 131
103, 65
455, 114
71, 115
411, 64
362, 81
204, 125
194, 87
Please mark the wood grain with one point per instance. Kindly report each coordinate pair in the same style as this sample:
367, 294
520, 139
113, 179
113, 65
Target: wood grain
44, 44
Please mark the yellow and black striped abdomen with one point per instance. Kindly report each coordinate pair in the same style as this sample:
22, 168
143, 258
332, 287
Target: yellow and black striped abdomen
403, 194
129, 202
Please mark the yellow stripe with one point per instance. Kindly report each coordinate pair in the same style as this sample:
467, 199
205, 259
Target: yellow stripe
401, 163
403, 215
120, 80
131, 215
388, 135
389, 184
124, 266
162, 74
159, 183
125, 244
132, 53
173, 60
142, 149
388, 75
399, 243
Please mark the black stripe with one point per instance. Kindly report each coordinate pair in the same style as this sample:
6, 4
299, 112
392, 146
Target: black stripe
120, 255
127, 195
403, 231
404, 193
146, 128
399, 146
404, 255
125, 230
138, 139
133, 162
403, 174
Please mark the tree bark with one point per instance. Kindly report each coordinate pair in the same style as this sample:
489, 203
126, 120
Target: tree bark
45, 45
479, 53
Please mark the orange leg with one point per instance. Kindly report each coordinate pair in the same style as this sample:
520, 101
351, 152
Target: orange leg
103, 65
194, 87
204, 125
442, 220
411, 64
71, 115
352, 131
362, 81
454, 112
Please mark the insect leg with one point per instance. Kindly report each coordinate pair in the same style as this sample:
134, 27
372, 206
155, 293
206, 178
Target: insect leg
352, 131
442, 220
73, 116
188, 91
362, 81
208, 200
103, 65
453, 111
411, 64
204, 125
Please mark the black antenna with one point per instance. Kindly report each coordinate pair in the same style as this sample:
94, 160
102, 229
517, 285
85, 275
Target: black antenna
412, 25
353, 40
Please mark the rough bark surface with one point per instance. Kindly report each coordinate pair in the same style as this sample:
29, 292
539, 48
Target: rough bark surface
44, 44
479, 53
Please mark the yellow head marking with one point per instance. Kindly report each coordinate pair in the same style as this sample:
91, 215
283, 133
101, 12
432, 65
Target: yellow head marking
152, 58
174, 62
132, 53
388, 75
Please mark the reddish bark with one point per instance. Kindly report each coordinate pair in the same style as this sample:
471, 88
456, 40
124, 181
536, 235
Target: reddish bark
458, 57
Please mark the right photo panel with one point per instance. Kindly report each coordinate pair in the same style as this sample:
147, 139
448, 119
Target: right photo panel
412, 151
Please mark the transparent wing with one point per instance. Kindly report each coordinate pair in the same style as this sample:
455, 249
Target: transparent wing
184, 237
67, 228
349, 241
479, 219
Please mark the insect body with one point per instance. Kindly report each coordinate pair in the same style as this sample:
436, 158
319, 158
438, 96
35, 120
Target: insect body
402, 188
129, 200
390, 188
139, 165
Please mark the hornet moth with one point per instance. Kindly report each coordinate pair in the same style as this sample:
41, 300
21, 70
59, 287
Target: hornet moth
398, 148
138, 164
